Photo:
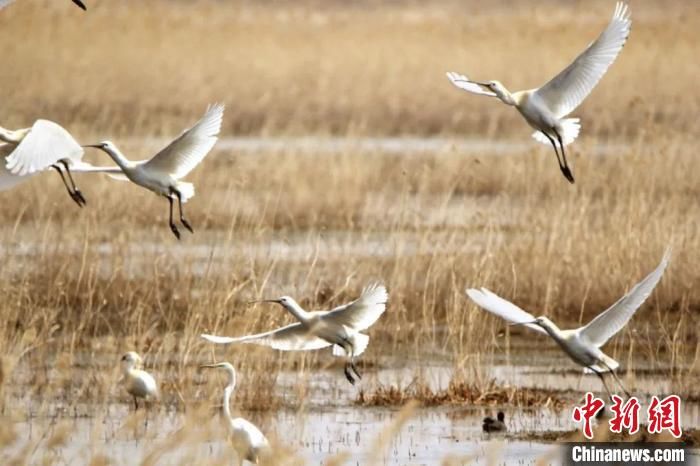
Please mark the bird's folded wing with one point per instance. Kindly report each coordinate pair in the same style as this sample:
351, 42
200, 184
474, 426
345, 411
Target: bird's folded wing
363, 312
608, 323
293, 337
46, 144
189, 149
502, 308
567, 90
465, 84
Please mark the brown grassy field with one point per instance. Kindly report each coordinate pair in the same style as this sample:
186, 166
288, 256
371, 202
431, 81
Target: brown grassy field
80, 287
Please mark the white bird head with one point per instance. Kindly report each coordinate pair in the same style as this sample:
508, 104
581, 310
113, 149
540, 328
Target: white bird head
286, 302
499, 89
543, 322
131, 359
104, 145
290, 305
546, 324
223, 365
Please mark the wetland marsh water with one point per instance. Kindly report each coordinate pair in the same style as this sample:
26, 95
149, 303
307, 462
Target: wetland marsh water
330, 422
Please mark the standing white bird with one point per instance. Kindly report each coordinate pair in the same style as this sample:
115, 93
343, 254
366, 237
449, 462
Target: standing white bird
583, 344
46, 145
162, 173
545, 108
250, 444
340, 327
138, 382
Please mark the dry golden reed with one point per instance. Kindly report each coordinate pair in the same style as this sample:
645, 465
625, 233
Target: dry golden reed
80, 287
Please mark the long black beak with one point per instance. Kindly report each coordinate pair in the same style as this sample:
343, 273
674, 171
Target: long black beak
80, 4
265, 301
523, 323
484, 85
96, 146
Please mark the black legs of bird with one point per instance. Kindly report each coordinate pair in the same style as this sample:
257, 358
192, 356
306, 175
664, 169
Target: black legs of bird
619, 382
563, 164
72, 189
602, 379
617, 379
184, 221
351, 372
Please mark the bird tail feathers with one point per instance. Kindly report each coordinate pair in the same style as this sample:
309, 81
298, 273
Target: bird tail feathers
359, 343
570, 128
186, 190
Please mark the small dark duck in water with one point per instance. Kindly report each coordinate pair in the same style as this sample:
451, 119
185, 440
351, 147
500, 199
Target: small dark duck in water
495, 425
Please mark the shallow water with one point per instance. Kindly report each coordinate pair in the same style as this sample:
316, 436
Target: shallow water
332, 423
315, 436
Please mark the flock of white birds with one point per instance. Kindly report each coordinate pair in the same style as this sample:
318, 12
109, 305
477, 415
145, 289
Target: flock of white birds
47, 146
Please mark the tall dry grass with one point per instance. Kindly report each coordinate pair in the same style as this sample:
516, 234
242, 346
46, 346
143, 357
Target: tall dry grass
81, 286
326, 67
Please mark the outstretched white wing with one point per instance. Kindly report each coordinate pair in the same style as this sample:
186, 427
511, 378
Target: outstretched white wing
567, 90
502, 308
293, 337
363, 312
189, 149
7, 179
608, 323
464, 83
44, 145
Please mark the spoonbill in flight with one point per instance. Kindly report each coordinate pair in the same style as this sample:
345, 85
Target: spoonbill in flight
250, 444
45, 145
583, 344
162, 173
138, 382
545, 108
340, 327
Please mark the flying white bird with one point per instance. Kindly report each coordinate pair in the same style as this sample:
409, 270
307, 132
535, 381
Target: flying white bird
250, 444
339, 327
4, 3
138, 382
545, 108
583, 344
162, 173
46, 145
